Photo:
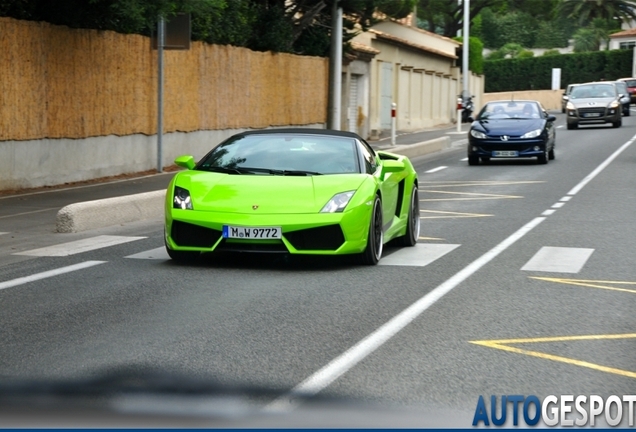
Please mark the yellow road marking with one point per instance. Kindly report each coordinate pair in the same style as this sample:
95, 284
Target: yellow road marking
589, 283
472, 196
448, 214
502, 344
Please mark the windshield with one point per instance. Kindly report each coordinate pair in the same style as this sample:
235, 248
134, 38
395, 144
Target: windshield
511, 109
284, 153
593, 91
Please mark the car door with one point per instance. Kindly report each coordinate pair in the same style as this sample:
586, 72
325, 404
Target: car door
388, 184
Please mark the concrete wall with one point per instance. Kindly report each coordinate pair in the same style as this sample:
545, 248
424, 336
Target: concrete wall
550, 99
36, 163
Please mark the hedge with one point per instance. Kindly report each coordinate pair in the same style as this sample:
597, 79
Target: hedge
536, 73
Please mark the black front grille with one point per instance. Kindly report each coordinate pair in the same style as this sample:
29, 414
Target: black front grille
596, 110
186, 234
229, 246
328, 237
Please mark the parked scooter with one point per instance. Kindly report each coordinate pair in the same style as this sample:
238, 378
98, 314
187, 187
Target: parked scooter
467, 109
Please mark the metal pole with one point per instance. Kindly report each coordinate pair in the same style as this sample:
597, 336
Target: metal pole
336, 67
465, 39
160, 44
393, 122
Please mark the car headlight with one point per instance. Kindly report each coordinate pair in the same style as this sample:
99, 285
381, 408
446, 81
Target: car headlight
570, 106
182, 199
532, 134
614, 104
338, 203
477, 134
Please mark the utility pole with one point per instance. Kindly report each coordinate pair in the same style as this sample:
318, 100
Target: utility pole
336, 68
161, 41
465, 43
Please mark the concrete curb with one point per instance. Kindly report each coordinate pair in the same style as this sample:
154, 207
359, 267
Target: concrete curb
96, 214
91, 215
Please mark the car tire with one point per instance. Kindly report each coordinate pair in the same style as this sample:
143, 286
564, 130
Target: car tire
572, 126
375, 240
627, 112
413, 224
551, 154
543, 158
182, 256
617, 124
473, 160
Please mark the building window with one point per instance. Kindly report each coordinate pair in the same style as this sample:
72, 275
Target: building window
627, 45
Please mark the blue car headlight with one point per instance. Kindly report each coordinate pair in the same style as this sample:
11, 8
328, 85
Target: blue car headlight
477, 134
182, 199
532, 134
338, 203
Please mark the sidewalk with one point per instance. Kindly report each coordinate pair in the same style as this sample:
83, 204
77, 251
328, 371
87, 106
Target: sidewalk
416, 137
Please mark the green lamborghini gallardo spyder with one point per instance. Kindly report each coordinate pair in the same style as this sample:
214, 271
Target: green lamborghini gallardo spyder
295, 191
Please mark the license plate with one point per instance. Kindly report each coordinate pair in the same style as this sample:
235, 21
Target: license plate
505, 153
258, 233
592, 115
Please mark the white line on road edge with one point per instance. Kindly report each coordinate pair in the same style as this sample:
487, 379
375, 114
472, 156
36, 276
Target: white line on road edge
354, 355
435, 169
366, 346
47, 274
601, 167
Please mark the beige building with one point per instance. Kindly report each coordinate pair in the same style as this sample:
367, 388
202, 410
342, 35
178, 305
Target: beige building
412, 68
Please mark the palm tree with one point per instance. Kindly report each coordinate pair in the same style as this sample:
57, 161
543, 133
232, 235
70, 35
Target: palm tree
587, 10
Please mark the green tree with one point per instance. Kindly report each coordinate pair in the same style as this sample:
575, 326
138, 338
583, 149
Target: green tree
475, 54
585, 11
446, 17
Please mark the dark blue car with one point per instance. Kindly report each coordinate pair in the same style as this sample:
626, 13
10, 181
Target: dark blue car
512, 129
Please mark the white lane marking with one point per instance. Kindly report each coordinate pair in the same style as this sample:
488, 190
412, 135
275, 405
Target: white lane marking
1, 233
79, 246
558, 205
560, 126
347, 360
558, 260
601, 167
354, 355
156, 254
566, 198
48, 274
435, 169
463, 160
420, 255
548, 212
29, 212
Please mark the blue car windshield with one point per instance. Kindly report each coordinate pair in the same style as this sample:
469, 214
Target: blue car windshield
283, 154
510, 110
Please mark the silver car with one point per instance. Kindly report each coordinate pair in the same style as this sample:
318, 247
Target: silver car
593, 103
626, 99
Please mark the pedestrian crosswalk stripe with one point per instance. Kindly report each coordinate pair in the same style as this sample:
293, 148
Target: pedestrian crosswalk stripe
420, 255
558, 260
79, 246
157, 253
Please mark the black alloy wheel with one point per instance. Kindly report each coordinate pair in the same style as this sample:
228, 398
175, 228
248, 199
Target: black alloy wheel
413, 226
375, 240
542, 159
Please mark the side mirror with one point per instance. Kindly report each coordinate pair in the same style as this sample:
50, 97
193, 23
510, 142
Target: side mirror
185, 161
389, 166
551, 118
471, 119
566, 97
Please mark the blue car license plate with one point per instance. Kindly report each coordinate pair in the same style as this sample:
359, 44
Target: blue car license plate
505, 153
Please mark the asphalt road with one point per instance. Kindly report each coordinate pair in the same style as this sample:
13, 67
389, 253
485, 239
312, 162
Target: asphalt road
523, 283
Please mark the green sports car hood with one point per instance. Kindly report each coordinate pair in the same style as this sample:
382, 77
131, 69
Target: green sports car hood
272, 194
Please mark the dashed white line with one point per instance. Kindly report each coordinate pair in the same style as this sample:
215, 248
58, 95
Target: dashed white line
436, 169
558, 205
566, 198
548, 212
79, 246
463, 160
48, 274
558, 260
